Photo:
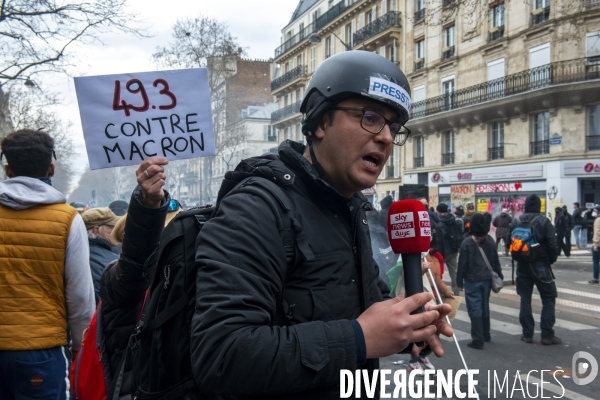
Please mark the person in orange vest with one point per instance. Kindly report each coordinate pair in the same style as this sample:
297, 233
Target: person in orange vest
47, 290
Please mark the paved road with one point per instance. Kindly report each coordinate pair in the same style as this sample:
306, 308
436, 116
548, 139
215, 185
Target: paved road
577, 323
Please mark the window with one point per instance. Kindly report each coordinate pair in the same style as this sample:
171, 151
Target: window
419, 151
497, 22
448, 92
328, 52
592, 47
495, 75
419, 54
418, 108
391, 52
316, 15
299, 60
449, 41
419, 10
593, 133
390, 165
541, 134
348, 34
313, 58
496, 149
448, 148
301, 30
541, 12
539, 66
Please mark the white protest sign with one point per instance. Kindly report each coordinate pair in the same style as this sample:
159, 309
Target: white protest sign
128, 118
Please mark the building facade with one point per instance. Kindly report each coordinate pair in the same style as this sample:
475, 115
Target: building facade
506, 103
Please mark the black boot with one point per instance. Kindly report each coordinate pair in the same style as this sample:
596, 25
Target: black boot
486, 329
476, 333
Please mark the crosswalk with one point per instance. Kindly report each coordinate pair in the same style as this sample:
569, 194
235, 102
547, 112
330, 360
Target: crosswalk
505, 319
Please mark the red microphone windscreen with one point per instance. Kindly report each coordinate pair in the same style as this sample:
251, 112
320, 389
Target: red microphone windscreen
409, 228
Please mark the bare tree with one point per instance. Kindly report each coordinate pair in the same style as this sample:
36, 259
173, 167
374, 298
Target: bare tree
32, 109
231, 142
35, 35
204, 42
109, 184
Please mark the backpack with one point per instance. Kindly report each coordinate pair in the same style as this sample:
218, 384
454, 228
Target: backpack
523, 245
162, 366
90, 375
454, 236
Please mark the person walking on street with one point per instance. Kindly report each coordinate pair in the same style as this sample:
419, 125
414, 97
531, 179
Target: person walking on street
561, 225
47, 290
569, 220
578, 226
263, 328
501, 222
596, 246
537, 272
99, 223
475, 277
452, 235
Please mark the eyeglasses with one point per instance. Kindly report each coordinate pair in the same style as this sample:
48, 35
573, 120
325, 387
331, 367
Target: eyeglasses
174, 205
373, 122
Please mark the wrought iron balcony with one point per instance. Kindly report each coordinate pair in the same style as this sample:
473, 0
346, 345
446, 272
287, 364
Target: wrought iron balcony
446, 3
540, 15
295, 40
390, 171
419, 64
496, 153
288, 77
498, 33
285, 112
389, 20
592, 142
540, 147
272, 138
448, 52
419, 162
334, 12
572, 71
447, 158
419, 15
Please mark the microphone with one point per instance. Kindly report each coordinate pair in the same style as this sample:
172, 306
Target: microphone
409, 231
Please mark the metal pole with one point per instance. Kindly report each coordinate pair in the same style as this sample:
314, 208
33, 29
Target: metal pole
439, 299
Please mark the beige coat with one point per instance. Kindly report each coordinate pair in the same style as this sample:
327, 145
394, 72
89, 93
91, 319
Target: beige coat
596, 238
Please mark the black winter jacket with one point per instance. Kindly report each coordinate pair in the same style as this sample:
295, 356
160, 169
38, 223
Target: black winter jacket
501, 222
446, 221
100, 257
125, 281
471, 265
543, 232
241, 344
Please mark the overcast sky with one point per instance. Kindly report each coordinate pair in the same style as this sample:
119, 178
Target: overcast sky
257, 25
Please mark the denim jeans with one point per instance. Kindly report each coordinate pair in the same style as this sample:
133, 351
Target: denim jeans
536, 273
42, 374
477, 296
595, 264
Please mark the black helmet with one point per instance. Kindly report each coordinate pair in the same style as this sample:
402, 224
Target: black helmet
355, 74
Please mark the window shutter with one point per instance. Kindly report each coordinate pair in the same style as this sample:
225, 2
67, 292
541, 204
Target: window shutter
353, 27
332, 44
323, 53
374, 13
383, 7
393, 5
343, 37
361, 20
265, 132
396, 162
382, 51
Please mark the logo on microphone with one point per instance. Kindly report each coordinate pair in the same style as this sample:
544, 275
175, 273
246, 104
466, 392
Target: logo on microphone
403, 225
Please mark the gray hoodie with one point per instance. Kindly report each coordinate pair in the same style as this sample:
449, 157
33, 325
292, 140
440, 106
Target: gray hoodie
21, 193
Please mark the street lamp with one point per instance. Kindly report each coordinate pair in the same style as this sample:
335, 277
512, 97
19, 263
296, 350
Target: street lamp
316, 38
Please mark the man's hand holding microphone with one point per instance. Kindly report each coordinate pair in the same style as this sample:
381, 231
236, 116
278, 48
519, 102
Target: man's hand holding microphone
391, 326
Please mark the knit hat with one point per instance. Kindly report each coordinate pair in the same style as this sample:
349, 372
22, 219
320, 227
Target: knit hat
533, 204
442, 207
479, 225
99, 216
119, 207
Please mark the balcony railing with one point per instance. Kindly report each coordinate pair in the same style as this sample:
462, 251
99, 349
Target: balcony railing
540, 15
540, 147
497, 34
446, 3
592, 142
496, 153
288, 77
448, 53
295, 40
419, 162
285, 112
419, 64
389, 20
447, 158
419, 15
334, 12
390, 171
561, 72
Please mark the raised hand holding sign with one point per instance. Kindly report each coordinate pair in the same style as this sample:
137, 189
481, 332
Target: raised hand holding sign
128, 118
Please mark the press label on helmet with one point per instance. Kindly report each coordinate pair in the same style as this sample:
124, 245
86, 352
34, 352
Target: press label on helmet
391, 91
